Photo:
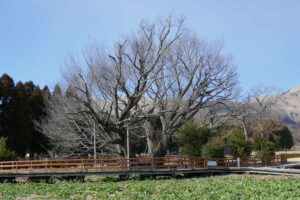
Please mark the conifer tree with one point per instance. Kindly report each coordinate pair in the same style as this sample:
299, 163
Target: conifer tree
20, 105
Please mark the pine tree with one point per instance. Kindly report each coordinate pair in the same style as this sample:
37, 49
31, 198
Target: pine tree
57, 90
6, 105
46, 95
20, 105
5, 154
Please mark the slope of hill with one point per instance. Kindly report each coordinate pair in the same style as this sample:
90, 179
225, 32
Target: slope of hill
287, 110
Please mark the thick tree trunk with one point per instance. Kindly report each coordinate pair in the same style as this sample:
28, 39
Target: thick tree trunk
149, 141
164, 145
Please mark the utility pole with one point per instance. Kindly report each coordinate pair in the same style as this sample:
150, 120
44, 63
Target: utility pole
128, 144
95, 152
128, 148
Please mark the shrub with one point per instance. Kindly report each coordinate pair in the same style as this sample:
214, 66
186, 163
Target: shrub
240, 146
191, 138
264, 147
214, 148
5, 154
283, 138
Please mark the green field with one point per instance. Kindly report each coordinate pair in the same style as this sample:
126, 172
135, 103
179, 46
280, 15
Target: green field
228, 187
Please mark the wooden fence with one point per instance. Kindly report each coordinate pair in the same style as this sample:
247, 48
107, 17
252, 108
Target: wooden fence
167, 162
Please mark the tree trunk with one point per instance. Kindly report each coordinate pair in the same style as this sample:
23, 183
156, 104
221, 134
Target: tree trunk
245, 130
164, 145
149, 141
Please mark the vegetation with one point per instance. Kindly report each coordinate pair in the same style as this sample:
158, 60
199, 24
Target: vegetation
20, 104
140, 78
191, 138
283, 138
196, 188
278, 133
264, 147
5, 154
240, 146
214, 148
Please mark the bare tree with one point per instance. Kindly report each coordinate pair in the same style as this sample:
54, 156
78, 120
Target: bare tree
263, 99
110, 86
196, 76
71, 129
162, 72
234, 112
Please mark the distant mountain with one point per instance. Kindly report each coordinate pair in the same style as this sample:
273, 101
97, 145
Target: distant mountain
287, 110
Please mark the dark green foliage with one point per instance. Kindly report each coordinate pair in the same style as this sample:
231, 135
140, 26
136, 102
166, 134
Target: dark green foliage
240, 146
5, 154
278, 133
283, 138
214, 148
20, 105
208, 188
191, 138
264, 147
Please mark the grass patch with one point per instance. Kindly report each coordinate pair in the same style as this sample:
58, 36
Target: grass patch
290, 154
295, 155
240, 187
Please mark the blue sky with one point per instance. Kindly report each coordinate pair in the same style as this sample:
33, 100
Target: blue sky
261, 35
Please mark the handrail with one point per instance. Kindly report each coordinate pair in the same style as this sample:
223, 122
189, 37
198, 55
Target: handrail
167, 162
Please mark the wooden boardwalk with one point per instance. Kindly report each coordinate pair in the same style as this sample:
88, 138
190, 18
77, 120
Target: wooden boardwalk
168, 165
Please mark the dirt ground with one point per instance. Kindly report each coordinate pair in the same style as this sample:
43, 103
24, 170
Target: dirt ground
290, 152
294, 159
258, 176
287, 152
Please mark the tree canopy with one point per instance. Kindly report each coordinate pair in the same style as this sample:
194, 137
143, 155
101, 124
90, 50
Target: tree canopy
20, 104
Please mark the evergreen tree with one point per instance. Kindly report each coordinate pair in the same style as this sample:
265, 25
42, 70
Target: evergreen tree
5, 154
20, 105
20, 136
6, 105
46, 95
283, 138
57, 90
214, 148
191, 138
240, 146
36, 105
263, 147
278, 133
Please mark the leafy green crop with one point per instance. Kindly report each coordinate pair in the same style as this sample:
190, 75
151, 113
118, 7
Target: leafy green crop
195, 188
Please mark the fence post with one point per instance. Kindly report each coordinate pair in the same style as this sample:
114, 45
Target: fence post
238, 162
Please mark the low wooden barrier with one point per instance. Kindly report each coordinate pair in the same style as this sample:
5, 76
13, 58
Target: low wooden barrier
167, 162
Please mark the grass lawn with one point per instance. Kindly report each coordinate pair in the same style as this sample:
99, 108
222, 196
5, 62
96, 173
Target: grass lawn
219, 187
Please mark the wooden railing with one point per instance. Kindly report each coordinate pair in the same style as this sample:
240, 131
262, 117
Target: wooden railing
167, 162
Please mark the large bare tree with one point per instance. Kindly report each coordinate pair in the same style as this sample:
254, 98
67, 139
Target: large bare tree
196, 75
162, 72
